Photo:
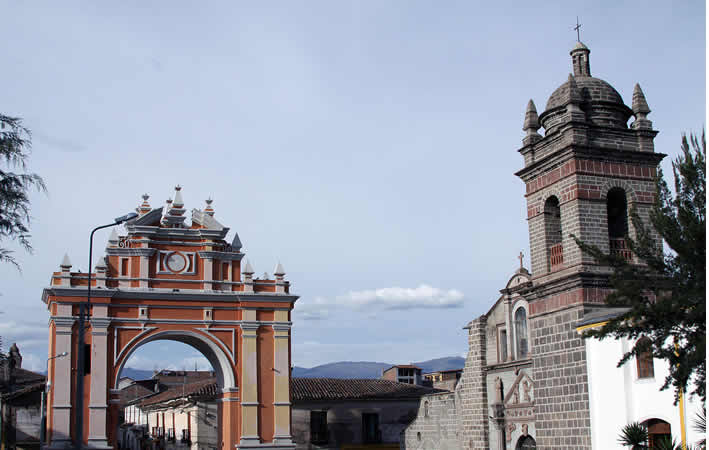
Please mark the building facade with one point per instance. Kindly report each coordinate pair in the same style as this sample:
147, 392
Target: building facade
531, 380
166, 279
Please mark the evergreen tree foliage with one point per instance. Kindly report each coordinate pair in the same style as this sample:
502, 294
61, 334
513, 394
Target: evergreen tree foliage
666, 296
15, 144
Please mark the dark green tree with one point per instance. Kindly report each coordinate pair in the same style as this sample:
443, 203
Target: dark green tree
15, 144
666, 296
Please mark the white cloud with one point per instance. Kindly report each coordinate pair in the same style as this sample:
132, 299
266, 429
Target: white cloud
392, 298
317, 309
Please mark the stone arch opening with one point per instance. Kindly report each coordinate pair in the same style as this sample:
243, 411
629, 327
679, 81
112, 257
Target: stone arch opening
617, 213
220, 361
526, 443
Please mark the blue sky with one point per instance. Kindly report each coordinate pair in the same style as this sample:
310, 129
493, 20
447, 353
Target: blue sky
368, 146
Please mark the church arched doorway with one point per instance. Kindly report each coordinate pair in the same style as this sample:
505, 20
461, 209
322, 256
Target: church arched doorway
526, 443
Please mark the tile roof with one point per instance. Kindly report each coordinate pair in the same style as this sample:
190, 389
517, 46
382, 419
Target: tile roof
202, 388
307, 389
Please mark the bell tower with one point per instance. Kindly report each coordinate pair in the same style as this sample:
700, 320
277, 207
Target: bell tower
583, 176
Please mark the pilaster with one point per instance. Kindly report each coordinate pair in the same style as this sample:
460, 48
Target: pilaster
281, 400
249, 379
61, 389
98, 401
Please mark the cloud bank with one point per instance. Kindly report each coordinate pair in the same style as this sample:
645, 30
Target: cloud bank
395, 298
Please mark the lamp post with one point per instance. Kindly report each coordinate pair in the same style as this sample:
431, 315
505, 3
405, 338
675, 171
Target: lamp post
43, 424
81, 351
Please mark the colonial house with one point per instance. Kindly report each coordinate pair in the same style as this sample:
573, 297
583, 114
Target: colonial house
20, 403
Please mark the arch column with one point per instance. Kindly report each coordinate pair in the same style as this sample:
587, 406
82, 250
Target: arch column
61, 380
229, 420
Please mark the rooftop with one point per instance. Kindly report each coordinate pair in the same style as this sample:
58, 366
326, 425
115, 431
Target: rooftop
313, 389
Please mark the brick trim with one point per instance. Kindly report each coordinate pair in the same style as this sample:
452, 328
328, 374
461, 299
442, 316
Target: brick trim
568, 298
591, 167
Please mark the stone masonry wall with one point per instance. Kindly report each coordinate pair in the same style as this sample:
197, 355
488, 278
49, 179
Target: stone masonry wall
437, 425
474, 391
562, 415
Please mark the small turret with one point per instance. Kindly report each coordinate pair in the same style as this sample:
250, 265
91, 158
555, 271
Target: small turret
236, 243
279, 274
248, 272
101, 272
173, 216
113, 239
580, 59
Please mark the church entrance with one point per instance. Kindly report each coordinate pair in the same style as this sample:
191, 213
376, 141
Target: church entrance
526, 443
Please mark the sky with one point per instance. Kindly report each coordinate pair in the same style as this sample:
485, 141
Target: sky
370, 147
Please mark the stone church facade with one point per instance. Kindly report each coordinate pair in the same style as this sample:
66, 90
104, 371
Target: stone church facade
525, 382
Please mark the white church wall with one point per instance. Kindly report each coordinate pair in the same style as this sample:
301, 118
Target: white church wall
619, 397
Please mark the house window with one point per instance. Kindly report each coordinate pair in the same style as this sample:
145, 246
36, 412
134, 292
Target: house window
644, 360
502, 345
370, 428
521, 338
318, 427
124, 267
406, 375
552, 232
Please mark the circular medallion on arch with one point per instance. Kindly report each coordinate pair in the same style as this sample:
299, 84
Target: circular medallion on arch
176, 262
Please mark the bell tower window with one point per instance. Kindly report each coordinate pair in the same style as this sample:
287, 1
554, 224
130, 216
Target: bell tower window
552, 231
617, 207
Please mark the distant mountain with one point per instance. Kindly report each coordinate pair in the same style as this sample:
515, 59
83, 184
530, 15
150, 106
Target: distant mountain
447, 363
365, 369
341, 369
136, 374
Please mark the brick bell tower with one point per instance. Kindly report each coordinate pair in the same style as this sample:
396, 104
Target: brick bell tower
583, 176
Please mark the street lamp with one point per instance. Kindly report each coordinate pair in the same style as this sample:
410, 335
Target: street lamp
81, 355
43, 425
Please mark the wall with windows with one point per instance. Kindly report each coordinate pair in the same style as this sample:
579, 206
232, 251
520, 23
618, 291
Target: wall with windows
620, 395
367, 422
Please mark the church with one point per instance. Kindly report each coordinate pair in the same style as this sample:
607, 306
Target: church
531, 380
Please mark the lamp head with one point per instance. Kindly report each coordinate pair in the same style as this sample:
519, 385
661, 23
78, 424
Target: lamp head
125, 218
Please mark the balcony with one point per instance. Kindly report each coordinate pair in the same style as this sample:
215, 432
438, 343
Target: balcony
618, 247
556, 256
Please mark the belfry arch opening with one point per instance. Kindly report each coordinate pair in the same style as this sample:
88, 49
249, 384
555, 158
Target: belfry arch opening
552, 232
617, 211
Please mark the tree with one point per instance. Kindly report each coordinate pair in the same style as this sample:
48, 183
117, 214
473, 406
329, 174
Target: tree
666, 296
633, 435
15, 144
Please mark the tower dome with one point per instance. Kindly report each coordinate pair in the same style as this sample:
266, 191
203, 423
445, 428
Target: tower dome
601, 104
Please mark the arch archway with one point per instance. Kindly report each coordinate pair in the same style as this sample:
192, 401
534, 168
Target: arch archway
220, 361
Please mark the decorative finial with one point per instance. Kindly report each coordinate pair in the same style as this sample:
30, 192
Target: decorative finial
66, 262
208, 209
278, 270
641, 110
144, 208
177, 201
531, 118
639, 103
248, 269
521, 259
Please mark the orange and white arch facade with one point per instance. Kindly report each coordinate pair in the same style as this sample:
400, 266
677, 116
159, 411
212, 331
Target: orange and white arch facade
172, 281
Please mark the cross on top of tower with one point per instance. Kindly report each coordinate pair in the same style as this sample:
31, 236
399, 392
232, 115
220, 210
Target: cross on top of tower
578, 29
521, 258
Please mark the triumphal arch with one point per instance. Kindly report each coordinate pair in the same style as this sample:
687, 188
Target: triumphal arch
170, 280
